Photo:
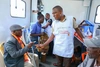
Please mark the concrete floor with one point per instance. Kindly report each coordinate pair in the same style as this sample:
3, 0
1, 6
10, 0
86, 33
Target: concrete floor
49, 62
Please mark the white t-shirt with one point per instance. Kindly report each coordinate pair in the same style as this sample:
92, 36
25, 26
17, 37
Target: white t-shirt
48, 30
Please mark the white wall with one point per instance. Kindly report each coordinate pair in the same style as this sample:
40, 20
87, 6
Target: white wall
77, 8
6, 20
34, 7
74, 8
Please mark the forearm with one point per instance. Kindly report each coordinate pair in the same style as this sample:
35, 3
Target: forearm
35, 34
46, 25
79, 33
49, 40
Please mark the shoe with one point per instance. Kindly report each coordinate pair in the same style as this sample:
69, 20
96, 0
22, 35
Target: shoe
55, 64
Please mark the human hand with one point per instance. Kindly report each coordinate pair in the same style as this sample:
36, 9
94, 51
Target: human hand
37, 45
30, 45
40, 47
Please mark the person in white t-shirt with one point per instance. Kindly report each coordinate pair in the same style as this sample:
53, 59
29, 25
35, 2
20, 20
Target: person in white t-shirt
62, 33
48, 30
48, 23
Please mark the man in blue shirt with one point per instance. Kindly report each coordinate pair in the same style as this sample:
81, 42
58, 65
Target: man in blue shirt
36, 32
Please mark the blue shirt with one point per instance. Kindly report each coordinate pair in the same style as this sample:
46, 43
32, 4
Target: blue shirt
36, 28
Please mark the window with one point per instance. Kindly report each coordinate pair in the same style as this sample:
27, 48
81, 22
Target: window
18, 8
97, 15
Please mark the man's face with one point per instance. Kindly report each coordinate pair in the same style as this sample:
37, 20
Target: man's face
18, 33
93, 52
57, 14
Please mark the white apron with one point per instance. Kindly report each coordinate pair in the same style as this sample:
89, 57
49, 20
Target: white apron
63, 43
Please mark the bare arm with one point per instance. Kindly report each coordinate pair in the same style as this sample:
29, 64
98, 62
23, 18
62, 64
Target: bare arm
49, 40
77, 29
79, 33
81, 23
46, 25
35, 34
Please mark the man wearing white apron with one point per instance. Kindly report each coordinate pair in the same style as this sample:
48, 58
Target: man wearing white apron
62, 33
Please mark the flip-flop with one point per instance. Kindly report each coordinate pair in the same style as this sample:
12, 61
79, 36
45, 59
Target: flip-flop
55, 64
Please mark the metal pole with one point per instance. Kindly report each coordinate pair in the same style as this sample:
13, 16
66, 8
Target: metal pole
89, 10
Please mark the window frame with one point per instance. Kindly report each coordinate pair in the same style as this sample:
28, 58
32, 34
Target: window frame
96, 14
17, 16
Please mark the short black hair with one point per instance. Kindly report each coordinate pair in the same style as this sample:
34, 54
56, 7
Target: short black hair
58, 7
40, 16
39, 13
